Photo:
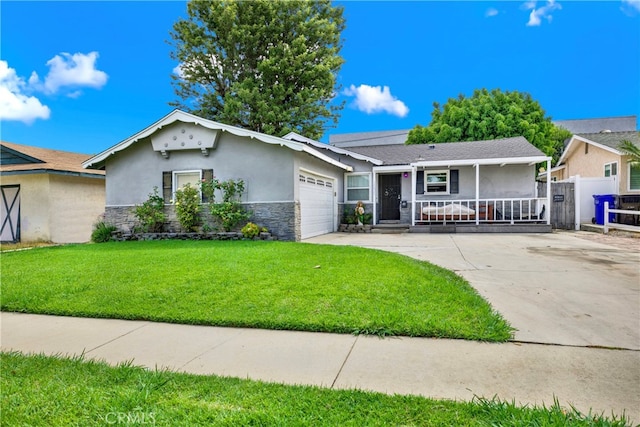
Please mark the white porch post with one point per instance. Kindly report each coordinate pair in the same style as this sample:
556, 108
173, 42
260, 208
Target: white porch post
374, 196
577, 191
414, 171
477, 166
548, 191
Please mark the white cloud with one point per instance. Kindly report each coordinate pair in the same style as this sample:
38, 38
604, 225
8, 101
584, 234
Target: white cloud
66, 70
376, 99
491, 12
536, 15
630, 7
14, 104
177, 70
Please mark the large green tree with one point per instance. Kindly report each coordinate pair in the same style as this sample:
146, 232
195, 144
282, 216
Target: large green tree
491, 115
264, 65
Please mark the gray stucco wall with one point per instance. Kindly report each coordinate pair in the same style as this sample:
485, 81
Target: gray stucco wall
266, 169
269, 172
509, 181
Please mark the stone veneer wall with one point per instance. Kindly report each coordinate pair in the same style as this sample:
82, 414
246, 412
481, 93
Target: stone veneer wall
281, 219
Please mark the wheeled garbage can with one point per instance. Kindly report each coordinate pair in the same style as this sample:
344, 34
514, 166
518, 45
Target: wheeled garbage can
599, 200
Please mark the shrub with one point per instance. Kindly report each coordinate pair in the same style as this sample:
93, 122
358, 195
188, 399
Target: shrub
188, 207
150, 214
230, 212
102, 232
250, 230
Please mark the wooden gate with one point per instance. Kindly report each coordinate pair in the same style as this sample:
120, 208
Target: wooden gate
562, 212
10, 214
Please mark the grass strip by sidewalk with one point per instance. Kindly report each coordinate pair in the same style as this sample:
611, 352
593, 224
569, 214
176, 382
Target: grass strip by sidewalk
271, 285
54, 391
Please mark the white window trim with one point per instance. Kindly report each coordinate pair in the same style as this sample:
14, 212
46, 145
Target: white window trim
610, 164
174, 180
427, 172
629, 179
347, 188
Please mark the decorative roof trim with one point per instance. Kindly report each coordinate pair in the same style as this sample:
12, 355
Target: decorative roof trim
98, 160
293, 136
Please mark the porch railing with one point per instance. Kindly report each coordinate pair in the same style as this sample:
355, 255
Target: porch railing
508, 210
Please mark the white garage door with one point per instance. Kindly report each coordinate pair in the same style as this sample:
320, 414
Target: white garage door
317, 205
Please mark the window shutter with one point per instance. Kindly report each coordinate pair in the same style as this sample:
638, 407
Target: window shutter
207, 175
454, 187
420, 182
167, 186
634, 177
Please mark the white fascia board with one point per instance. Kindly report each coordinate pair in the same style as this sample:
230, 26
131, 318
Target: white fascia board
337, 150
472, 162
326, 158
178, 115
396, 168
579, 138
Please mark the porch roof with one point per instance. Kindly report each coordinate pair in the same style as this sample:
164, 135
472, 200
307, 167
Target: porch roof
505, 150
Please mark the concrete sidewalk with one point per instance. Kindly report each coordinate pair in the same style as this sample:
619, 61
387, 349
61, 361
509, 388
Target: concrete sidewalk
602, 380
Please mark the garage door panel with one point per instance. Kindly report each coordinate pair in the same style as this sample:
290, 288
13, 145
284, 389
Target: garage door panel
317, 205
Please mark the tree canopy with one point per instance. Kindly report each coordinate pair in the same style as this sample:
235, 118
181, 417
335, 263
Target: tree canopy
267, 66
492, 115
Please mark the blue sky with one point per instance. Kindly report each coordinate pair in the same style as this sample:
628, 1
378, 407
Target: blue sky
82, 76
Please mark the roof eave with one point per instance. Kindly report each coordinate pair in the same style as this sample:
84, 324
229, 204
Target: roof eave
472, 162
98, 161
334, 149
567, 149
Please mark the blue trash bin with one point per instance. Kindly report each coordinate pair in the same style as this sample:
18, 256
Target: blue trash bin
599, 200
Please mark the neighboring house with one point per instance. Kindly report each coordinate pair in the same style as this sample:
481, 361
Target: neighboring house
47, 195
299, 188
613, 124
596, 155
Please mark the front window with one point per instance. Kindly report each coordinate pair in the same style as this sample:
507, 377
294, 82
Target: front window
182, 178
611, 169
634, 177
436, 181
358, 187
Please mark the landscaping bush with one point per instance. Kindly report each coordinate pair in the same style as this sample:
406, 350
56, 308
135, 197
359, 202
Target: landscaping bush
188, 207
102, 232
150, 214
250, 230
230, 212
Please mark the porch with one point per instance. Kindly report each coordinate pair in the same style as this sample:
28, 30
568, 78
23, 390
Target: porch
480, 211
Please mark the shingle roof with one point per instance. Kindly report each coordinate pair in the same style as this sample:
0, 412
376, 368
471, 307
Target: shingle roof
389, 137
452, 151
612, 139
46, 160
614, 124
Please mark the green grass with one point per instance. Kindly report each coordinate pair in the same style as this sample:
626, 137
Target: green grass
272, 285
52, 391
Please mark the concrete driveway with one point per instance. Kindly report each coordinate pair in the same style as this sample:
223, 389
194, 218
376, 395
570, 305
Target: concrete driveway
565, 288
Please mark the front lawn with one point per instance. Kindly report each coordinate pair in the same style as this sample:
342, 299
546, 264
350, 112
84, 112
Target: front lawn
52, 391
272, 285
